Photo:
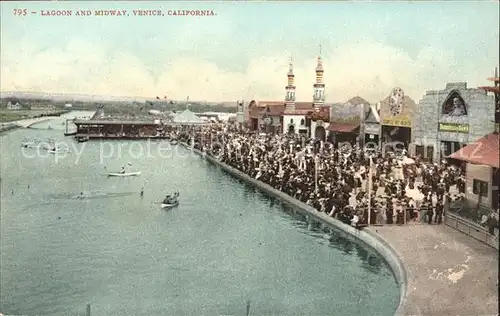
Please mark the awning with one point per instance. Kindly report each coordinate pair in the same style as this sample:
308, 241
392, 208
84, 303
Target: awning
484, 151
491, 89
342, 127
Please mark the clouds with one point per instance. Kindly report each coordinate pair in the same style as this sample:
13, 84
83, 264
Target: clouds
366, 68
244, 51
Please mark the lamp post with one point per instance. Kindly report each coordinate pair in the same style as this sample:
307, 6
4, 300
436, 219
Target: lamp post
370, 180
316, 175
267, 123
239, 113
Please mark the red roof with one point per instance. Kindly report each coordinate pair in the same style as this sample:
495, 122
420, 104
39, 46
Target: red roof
494, 79
304, 105
260, 108
273, 109
342, 127
484, 151
297, 112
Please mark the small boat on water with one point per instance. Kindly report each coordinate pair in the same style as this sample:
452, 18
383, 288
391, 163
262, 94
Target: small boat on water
49, 127
82, 139
170, 201
123, 174
174, 142
169, 205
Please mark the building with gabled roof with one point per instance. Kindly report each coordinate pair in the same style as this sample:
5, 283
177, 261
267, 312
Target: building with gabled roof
370, 127
307, 118
290, 116
14, 107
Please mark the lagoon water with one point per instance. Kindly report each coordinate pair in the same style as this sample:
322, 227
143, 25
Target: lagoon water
225, 245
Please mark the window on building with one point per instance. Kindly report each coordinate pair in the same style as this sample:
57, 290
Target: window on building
302, 122
448, 148
426, 153
480, 187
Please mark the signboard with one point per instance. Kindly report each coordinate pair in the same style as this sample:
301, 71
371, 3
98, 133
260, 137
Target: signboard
372, 128
454, 128
398, 110
397, 121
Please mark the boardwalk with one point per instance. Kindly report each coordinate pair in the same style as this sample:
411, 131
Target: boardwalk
449, 273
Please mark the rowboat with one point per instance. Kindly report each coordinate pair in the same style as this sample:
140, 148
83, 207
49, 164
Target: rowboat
126, 174
82, 139
168, 205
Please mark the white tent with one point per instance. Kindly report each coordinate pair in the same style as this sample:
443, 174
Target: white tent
187, 117
408, 161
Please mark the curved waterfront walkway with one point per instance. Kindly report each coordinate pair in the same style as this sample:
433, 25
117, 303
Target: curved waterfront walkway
448, 272
28, 122
440, 271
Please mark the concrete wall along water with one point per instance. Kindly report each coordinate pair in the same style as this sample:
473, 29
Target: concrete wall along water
366, 236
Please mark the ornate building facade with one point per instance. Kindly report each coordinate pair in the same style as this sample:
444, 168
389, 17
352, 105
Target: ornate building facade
310, 119
301, 117
449, 119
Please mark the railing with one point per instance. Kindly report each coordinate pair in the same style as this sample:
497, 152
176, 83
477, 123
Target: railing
472, 229
402, 217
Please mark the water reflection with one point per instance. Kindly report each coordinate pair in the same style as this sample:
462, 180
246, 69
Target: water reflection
371, 261
90, 195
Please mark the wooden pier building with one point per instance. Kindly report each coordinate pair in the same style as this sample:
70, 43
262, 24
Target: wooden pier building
109, 129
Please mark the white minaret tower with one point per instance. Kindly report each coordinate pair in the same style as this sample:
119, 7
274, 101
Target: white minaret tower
319, 86
290, 89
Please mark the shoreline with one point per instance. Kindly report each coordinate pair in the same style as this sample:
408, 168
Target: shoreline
366, 236
5, 128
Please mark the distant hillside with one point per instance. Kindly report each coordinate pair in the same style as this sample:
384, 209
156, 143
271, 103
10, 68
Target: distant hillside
90, 100
68, 97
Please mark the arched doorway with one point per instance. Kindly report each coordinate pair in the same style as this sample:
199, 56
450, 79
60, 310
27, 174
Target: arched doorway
291, 129
320, 133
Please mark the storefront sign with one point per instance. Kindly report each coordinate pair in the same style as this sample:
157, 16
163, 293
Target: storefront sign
397, 121
371, 128
453, 127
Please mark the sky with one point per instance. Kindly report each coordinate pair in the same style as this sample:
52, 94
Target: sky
243, 51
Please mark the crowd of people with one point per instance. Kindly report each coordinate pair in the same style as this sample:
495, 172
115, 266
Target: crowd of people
344, 181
